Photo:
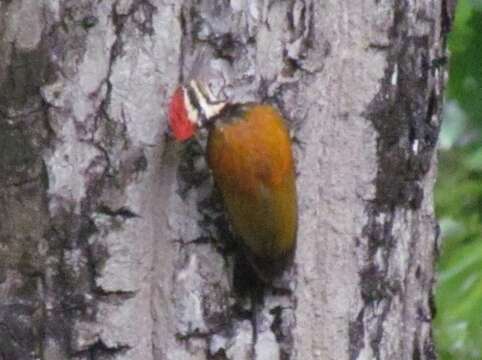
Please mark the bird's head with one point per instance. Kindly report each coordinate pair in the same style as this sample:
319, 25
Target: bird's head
191, 107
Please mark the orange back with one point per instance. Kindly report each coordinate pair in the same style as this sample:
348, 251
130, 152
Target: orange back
252, 164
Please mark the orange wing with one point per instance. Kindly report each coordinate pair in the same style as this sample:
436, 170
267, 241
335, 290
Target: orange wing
252, 164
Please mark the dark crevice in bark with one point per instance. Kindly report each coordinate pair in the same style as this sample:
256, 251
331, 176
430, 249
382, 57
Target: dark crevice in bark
305, 33
18, 338
356, 334
407, 135
74, 282
429, 349
100, 350
377, 287
143, 12
24, 315
118, 22
28, 71
447, 17
123, 212
416, 355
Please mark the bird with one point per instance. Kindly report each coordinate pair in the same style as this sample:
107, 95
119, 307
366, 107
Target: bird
249, 153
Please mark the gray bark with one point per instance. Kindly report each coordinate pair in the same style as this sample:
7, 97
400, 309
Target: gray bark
112, 244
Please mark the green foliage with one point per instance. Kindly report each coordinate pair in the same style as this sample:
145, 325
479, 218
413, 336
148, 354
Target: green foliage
465, 81
458, 324
459, 294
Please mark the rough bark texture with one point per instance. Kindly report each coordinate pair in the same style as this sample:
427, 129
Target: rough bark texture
112, 242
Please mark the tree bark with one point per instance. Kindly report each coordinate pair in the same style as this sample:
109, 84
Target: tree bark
112, 241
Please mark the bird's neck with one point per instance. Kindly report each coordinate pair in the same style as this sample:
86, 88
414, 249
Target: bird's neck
230, 114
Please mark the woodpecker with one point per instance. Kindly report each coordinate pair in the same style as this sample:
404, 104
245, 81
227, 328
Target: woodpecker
250, 156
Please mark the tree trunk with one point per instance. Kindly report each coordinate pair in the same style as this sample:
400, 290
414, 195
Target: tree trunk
112, 244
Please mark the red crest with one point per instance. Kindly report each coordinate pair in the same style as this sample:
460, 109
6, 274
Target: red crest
179, 121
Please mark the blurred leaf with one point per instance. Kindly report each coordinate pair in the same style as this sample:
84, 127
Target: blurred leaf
474, 161
459, 325
465, 81
454, 124
476, 4
450, 227
457, 37
458, 194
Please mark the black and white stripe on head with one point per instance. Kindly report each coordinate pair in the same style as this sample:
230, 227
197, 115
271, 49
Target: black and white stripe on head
200, 103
